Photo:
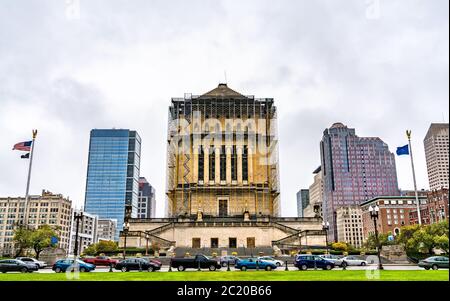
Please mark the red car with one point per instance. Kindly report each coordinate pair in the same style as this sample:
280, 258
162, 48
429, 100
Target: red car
101, 261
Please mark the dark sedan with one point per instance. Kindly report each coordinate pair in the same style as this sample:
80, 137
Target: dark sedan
137, 264
14, 265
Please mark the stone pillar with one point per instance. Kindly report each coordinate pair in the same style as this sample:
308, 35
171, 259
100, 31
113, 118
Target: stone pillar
250, 165
195, 164
206, 166
228, 150
239, 164
217, 174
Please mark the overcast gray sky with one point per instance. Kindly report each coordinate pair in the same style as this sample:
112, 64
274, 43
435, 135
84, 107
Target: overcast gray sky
69, 66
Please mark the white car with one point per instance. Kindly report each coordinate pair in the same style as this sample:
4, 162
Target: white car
38, 263
331, 258
350, 261
278, 263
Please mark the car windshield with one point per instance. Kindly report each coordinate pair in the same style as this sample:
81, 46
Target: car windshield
80, 261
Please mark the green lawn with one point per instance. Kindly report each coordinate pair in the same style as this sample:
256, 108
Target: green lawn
442, 275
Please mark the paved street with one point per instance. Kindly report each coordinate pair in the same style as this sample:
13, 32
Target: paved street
291, 268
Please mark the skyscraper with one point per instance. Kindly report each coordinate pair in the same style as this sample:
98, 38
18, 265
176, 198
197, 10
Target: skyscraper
302, 201
436, 152
147, 202
354, 169
113, 174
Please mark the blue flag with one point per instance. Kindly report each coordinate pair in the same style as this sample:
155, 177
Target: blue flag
404, 150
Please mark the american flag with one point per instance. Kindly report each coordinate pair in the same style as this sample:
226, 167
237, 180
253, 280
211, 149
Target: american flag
23, 146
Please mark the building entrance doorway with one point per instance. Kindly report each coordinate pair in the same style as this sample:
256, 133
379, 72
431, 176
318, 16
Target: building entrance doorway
223, 207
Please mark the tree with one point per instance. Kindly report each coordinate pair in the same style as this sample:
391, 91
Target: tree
41, 238
406, 233
106, 246
22, 239
371, 242
441, 242
422, 241
339, 246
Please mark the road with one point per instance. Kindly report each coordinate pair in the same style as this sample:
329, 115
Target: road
291, 268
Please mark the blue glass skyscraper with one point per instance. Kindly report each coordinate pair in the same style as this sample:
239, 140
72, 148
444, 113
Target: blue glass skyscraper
113, 174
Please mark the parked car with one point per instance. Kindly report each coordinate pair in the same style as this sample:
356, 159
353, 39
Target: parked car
278, 263
137, 264
331, 258
101, 261
40, 264
193, 263
157, 262
435, 263
15, 265
63, 264
350, 261
253, 263
224, 260
304, 262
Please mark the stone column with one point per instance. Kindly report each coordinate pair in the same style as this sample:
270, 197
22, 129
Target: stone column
217, 174
195, 164
228, 150
239, 164
206, 166
250, 165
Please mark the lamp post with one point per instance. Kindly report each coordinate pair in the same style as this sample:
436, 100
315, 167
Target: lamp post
126, 227
146, 244
326, 227
374, 213
78, 217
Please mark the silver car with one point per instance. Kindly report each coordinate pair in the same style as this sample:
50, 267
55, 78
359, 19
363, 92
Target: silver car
28, 260
350, 261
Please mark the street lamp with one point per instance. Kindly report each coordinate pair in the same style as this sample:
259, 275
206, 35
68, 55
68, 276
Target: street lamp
326, 227
146, 245
126, 228
78, 217
374, 213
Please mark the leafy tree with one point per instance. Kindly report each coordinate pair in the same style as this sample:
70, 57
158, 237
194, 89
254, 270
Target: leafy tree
371, 242
104, 246
339, 246
41, 238
406, 233
22, 239
90, 250
422, 241
441, 242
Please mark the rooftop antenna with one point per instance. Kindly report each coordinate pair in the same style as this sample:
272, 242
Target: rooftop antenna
225, 74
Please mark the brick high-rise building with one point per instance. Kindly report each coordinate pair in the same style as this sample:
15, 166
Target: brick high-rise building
437, 155
45, 209
355, 169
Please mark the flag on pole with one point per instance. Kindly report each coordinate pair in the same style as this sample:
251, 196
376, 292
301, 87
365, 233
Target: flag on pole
404, 150
23, 146
26, 156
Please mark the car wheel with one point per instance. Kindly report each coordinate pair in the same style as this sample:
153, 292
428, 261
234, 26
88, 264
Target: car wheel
82, 269
58, 270
180, 268
434, 267
151, 269
344, 264
278, 264
23, 270
328, 267
224, 264
427, 268
4, 272
243, 268
124, 269
363, 264
268, 268
303, 267
212, 268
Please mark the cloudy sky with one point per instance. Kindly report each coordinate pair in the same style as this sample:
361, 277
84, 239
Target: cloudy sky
69, 66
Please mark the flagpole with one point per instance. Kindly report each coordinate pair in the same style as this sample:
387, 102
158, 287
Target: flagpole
408, 134
28, 179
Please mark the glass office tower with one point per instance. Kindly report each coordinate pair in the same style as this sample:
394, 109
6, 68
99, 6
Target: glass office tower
113, 174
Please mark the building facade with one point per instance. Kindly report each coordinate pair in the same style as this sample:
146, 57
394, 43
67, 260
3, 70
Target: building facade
45, 209
113, 174
355, 169
349, 225
436, 144
106, 229
146, 201
302, 201
314, 209
222, 179
394, 214
87, 232
434, 211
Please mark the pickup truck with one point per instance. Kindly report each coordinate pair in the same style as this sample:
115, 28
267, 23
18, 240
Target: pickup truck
204, 262
101, 261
